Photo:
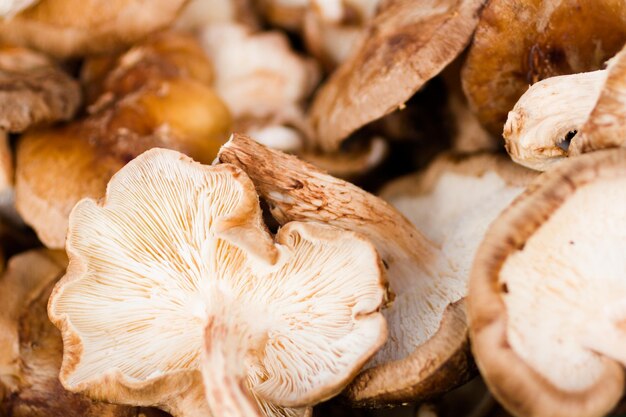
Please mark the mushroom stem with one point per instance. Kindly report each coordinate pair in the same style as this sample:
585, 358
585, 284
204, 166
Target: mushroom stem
224, 372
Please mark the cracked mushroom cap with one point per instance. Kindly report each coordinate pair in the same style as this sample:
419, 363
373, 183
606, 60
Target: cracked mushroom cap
168, 108
427, 352
33, 90
177, 250
70, 28
547, 291
31, 347
569, 115
408, 43
518, 43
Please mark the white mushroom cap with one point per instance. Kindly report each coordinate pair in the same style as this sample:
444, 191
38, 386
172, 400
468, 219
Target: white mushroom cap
177, 247
426, 353
548, 291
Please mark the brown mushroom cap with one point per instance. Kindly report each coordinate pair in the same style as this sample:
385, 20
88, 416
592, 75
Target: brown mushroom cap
169, 106
66, 28
31, 347
174, 249
408, 42
33, 90
427, 351
546, 292
518, 43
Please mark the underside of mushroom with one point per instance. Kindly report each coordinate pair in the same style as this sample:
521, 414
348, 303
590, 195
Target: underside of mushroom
546, 301
177, 262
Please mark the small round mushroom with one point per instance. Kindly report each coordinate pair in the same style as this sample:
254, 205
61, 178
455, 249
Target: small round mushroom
66, 28
177, 251
33, 90
155, 95
262, 80
31, 347
547, 292
520, 42
407, 43
568, 115
427, 352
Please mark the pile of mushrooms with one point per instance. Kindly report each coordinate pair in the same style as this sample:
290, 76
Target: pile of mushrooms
298, 208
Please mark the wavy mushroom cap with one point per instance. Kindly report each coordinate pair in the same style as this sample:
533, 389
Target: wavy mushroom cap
70, 28
547, 292
568, 115
178, 247
33, 90
408, 43
518, 43
427, 351
31, 347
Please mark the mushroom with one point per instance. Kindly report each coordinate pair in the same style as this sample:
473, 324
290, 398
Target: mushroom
546, 294
427, 352
518, 43
66, 28
408, 42
155, 95
262, 80
568, 115
33, 90
31, 347
178, 250
8, 8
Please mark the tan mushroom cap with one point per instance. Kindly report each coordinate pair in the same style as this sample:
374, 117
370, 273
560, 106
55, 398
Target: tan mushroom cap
170, 108
547, 293
177, 247
518, 43
569, 115
33, 90
408, 43
31, 347
427, 352
65, 28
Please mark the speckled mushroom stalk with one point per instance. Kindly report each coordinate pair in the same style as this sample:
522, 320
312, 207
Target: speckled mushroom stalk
174, 272
547, 292
569, 115
427, 352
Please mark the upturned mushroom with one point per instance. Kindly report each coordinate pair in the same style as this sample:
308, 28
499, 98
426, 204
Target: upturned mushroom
521, 42
175, 262
546, 295
66, 28
427, 352
156, 94
31, 347
408, 42
263, 81
568, 115
33, 90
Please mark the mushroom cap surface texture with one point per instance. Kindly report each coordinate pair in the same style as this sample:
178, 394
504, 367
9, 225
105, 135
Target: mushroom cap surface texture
408, 42
547, 292
177, 247
520, 42
69, 28
427, 352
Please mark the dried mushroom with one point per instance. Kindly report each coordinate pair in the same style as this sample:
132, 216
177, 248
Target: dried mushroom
568, 115
31, 347
407, 43
156, 95
262, 80
178, 250
546, 296
65, 28
427, 352
33, 90
518, 43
